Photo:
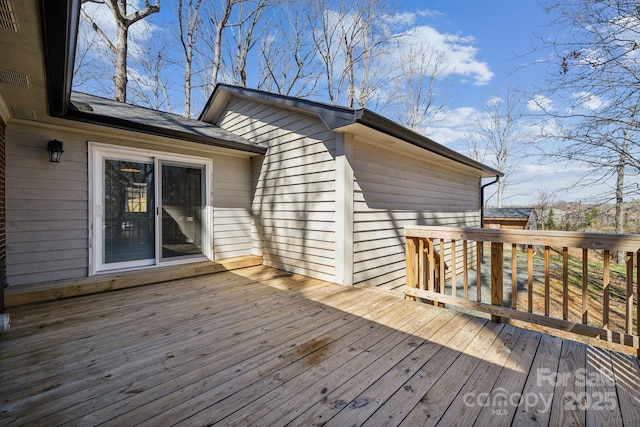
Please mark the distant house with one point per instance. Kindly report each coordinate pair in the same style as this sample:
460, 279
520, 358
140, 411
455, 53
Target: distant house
311, 188
510, 218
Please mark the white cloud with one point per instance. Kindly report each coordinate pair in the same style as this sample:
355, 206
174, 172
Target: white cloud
494, 101
460, 54
540, 103
403, 19
429, 13
590, 101
453, 127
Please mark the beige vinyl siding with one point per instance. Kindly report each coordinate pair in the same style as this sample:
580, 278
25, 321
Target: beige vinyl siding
46, 208
47, 204
294, 187
393, 190
231, 200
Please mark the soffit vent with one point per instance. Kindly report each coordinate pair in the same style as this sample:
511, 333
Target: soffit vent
14, 78
23, 113
7, 17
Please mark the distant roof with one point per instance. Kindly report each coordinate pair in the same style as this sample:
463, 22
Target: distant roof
94, 109
512, 213
336, 117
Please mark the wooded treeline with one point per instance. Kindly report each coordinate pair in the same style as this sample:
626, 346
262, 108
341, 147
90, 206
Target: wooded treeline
335, 51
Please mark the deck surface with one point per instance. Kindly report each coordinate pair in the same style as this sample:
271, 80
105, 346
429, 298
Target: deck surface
258, 346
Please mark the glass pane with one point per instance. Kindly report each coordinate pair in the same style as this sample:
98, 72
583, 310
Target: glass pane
182, 204
129, 220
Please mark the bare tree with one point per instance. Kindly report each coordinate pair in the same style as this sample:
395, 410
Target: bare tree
232, 33
189, 21
123, 20
498, 138
246, 31
88, 71
287, 54
544, 210
349, 38
150, 87
596, 74
218, 20
415, 88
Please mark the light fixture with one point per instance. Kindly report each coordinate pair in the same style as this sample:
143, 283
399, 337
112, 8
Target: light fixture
55, 150
129, 170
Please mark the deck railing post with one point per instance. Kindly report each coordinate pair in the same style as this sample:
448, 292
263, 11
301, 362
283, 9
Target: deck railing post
411, 263
497, 266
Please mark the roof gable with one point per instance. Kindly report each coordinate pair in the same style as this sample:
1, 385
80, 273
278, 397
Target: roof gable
509, 213
339, 119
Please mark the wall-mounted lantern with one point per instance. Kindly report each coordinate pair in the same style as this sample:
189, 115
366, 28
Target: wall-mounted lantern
55, 150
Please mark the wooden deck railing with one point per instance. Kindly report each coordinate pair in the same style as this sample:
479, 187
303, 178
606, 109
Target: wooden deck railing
570, 284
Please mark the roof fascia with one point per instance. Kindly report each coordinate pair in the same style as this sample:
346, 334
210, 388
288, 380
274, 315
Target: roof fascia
60, 20
382, 124
333, 116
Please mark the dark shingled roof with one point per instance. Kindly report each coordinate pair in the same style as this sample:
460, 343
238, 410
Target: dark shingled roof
513, 213
94, 109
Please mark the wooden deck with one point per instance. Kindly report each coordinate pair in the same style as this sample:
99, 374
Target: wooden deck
258, 346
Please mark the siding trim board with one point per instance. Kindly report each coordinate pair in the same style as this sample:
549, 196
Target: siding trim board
344, 209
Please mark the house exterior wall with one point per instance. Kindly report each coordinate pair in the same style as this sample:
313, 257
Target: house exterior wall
294, 195
47, 204
393, 190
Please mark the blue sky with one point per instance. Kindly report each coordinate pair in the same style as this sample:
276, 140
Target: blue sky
501, 37
504, 32
504, 39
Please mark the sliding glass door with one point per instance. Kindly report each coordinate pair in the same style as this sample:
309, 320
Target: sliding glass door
147, 209
182, 208
128, 219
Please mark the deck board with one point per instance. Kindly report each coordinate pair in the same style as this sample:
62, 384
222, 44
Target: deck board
258, 346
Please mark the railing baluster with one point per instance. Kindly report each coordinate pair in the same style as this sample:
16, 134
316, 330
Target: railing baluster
629, 294
547, 295
441, 265
565, 283
431, 276
421, 265
585, 285
497, 265
514, 276
479, 270
454, 285
606, 280
411, 253
638, 295
465, 266
530, 278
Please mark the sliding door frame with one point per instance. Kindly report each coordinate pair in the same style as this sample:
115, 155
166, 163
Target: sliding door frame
98, 152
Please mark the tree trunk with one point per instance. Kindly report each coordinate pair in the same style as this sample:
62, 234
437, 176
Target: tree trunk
120, 78
620, 197
187, 84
